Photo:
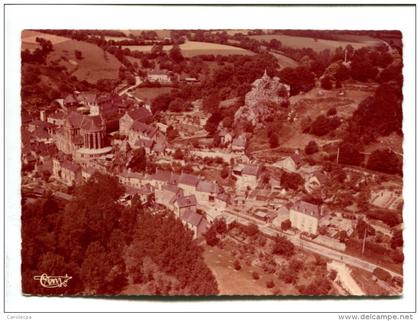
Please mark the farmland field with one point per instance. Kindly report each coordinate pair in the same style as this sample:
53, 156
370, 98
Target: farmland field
194, 48
161, 33
107, 38
285, 61
319, 44
29, 39
95, 64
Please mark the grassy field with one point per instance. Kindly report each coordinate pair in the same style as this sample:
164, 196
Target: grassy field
96, 63
320, 44
150, 93
194, 48
285, 61
162, 33
231, 281
312, 104
29, 39
107, 38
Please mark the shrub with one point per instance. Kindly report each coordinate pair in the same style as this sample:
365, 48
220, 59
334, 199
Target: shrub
323, 125
255, 275
286, 224
225, 172
270, 284
332, 111
326, 83
311, 148
178, 154
237, 265
251, 229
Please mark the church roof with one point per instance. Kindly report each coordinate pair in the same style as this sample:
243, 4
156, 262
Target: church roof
92, 123
75, 119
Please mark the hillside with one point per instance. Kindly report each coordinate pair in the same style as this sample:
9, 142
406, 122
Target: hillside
95, 63
195, 48
319, 44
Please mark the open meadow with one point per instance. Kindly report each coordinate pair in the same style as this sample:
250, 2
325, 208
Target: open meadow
195, 48
319, 44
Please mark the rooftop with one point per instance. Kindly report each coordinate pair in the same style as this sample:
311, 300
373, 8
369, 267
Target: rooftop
307, 208
186, 201
206, 187
188, 179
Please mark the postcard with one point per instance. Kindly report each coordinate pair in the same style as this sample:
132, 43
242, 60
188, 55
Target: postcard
208, 162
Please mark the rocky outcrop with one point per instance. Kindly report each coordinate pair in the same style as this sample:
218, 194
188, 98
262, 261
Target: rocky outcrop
267, 96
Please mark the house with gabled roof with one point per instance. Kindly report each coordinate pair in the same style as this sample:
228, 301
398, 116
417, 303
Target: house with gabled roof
239, 144
67, 172
195, 222
188, 182
132, 179
290, 163
305, 216
247, 176
57, 118
140, 114
143, 131
160, 178
221, 201
206, 192
160, 76
185, 204
168, 195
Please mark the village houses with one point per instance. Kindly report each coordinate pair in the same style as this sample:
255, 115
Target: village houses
305, 217
127, 120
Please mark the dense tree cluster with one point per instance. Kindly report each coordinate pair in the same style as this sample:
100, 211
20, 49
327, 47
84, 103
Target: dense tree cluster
216, 230
300, 79
283, 246
39, 55
291, 180
88, 239
138, 161
378, 115
323, 125
386, 161
350, 154
311, 148
366, 61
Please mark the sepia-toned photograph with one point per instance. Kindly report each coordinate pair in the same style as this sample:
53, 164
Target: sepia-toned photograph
211, 162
